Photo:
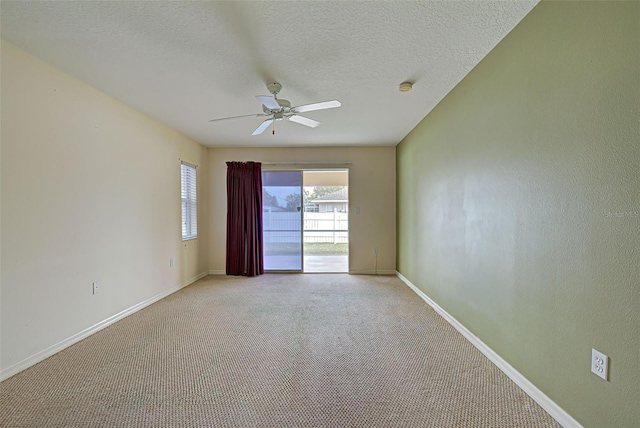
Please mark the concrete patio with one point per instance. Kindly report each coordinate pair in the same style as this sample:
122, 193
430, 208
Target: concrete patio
316, 263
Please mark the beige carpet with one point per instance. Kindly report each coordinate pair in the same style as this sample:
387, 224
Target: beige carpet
273, 351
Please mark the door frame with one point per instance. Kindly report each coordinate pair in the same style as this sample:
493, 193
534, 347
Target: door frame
302, 213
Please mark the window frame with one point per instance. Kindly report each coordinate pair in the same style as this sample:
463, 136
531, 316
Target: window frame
188, 201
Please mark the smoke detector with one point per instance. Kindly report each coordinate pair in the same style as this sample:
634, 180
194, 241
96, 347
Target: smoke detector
405, 86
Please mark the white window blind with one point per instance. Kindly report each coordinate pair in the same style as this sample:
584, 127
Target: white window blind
189, 205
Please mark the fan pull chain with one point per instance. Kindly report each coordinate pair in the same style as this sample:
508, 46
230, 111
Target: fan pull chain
274, 127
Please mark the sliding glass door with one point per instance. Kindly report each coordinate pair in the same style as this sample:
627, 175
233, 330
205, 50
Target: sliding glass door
282, 220
305, 220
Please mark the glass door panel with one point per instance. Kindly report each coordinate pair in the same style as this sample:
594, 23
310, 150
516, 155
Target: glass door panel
326, 221
282, 220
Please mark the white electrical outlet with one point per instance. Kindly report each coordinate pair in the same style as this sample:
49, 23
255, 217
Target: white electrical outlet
171, 262
375, 250
600, 364
96, 287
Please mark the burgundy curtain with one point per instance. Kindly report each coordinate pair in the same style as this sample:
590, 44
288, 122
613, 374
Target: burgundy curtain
244, 219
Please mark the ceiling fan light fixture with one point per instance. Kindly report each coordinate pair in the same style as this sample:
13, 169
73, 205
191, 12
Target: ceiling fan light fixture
405, 87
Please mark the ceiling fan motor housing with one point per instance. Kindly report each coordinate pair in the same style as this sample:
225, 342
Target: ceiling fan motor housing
285, 106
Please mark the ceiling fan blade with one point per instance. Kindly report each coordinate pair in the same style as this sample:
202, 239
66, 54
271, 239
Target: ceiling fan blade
304, 121
268, 102
316, 106
264, 125
237, 117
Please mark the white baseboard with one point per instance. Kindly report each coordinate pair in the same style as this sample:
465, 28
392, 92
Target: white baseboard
191, 281
351, 272
563, 418
54, 349
372, 272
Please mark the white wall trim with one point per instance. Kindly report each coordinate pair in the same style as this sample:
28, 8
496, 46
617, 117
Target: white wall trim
217, 272
563, 418
372, 272
54, 349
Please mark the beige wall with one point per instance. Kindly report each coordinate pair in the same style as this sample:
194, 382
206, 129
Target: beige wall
371, 189
90, 192
519, 204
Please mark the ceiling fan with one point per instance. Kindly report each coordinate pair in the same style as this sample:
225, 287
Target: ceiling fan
280, 109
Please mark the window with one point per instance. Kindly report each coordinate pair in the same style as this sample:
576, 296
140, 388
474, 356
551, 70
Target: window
189, 205
310, 207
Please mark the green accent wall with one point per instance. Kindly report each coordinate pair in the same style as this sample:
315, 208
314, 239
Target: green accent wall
518, 203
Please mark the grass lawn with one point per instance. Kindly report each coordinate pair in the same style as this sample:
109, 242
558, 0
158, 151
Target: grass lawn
325, 248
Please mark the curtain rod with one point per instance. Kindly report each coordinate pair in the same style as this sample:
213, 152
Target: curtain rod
306, 163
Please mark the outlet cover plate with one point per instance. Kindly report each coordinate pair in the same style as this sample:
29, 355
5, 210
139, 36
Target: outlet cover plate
96, 287
599, 364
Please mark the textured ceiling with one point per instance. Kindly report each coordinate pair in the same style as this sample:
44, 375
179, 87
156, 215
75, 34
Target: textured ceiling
184, 63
